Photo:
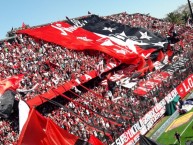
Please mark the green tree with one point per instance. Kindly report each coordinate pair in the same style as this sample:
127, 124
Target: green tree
174, 17
185, 16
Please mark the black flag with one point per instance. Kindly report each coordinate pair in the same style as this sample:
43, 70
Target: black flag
111, 85
146, 141
6, 103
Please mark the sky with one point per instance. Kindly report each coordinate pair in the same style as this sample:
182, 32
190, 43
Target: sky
36, 12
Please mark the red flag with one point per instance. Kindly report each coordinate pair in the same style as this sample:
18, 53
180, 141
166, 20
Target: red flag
39, 130
94, 141
150, 64
169, 51
33, 131
160, 56
10, 83
59, 136
23, 25
148, 85
141, 64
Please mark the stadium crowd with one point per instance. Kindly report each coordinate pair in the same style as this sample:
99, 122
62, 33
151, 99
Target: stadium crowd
47, 64
108, 117
90, 109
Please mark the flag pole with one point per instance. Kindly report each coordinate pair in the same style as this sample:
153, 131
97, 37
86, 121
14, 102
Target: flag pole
190, 9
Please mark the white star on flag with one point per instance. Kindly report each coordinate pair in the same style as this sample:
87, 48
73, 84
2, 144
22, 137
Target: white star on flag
109, 29
123, 34
145, 56
131, 45
107, 43
159, 44
144, 35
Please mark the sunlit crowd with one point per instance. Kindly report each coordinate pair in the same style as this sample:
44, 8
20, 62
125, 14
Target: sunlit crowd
90, 108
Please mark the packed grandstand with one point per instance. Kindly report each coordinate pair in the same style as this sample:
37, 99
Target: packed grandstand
109, 77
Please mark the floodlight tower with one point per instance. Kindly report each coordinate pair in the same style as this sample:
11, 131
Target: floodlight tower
190, 9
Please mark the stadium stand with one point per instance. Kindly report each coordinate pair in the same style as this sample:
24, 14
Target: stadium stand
90, 107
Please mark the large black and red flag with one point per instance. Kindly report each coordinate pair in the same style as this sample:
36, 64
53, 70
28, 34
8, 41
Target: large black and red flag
39, 130
8, 89
137, 39
77, 38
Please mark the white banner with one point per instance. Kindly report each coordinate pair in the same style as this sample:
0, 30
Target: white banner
23, 114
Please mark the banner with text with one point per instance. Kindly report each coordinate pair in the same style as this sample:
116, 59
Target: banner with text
131, 136
185, 87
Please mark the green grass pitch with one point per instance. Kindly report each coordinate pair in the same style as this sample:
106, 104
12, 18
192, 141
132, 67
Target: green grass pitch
186, 131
